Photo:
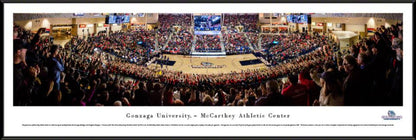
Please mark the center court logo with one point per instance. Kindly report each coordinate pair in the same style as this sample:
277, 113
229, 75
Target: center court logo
207, 64
391, 115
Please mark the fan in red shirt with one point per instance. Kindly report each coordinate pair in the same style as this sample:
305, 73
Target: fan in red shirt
297, 92
312, 88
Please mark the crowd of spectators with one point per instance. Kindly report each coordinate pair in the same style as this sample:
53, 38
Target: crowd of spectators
168, 20
163, 36
236, 43
248, 21
253, 39
266, 39
134, 46
208, 43
375, 69
280, 48
181, 40
180, 43
166, 23
230, 20
98, 71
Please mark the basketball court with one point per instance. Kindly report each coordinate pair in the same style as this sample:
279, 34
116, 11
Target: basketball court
224, 64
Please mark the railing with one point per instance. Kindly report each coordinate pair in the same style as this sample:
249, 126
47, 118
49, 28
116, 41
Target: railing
208, 54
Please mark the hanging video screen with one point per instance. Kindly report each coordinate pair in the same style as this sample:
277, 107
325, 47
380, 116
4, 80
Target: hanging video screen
297, 19
207, 24
116, 19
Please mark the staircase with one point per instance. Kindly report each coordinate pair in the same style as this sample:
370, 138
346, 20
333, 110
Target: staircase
249, 43
157, 42
193, 44
259, 42
167, 41
222, 43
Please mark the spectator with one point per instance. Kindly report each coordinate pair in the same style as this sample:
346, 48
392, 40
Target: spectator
118, 103
354, 88
331, 93
141, 96
297, 92
395, 77
178, 102
273, 98
312, 88
56, 66
24, 76
207, 101
168, 96
362, 61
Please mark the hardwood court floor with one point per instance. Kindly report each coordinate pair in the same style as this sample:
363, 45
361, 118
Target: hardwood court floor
231, 62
